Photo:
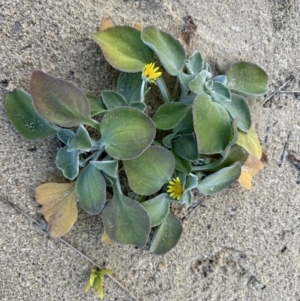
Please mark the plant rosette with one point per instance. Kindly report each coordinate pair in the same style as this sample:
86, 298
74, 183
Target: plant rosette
199, 138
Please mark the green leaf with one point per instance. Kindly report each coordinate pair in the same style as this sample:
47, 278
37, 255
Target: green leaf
108, 167
247, 78
187, 198
59, 101
220, 78
170, 114
166, 235
212, 125
113, 99
96, 104
197, 84
81, 140
250, 142
169, 50
91, 189
138, 105
195, 63
186, 126
157, 208
126, 221
68, 162
220, 180
24, 117
126, 132
238, 109
168, 140
123, 48
186, 147
218, 91
185, 79
150, 171
129, 85
236, 154
64, 135
181, 164
191, 182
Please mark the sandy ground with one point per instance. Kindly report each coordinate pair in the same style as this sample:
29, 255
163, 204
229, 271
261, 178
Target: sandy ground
238, 245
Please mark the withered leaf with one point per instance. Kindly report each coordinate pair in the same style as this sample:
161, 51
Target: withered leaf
188, 29
59, 206
249, 170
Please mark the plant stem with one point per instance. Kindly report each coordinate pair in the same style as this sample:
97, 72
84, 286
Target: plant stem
163, 90
142, 94
93, 123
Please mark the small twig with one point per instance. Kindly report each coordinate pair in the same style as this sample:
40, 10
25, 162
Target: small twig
192, 209
40, 226
276, 91
289, 91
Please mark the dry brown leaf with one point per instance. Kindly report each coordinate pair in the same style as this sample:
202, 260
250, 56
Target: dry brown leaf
188, 29
106, 23
138, 26
249, 170
59, 206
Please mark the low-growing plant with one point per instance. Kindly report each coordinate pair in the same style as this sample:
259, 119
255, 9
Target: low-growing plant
199, 136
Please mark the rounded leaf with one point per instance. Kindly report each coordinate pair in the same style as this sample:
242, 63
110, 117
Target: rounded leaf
59, 206
166, 236
220, 180
68, 162
129, 85
126, 132
24, 117
91, 189
169, 50
247, 78
126, 221
170, 114
212, 125
186, 147
157, 208
123, 48
58, 101
113, 99
150, 171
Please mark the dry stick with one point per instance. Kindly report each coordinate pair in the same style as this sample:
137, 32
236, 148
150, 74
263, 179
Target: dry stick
67, 244
276, 91
289, 91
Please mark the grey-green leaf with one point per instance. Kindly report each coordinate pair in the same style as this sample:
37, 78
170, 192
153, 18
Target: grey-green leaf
195, 63
166, 236
238, 109
129, 85
169, 50
113, 99
186, 147
126, 132
126, 221
247, 79
197, 84
150, 171
24, 117
212, 125
68, 162
157, 208
220, 180
91, 189
81, 140
108, 167
64, 135
170, 114
96, 104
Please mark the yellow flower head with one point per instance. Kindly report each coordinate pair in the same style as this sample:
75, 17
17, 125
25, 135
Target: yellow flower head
151, 73
175, 189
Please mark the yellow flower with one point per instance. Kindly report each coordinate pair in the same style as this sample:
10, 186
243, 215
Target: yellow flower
151, 73
175, 189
